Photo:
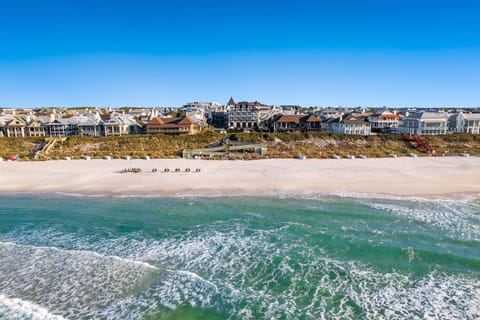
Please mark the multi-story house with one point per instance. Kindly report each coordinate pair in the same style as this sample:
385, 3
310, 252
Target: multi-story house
384, 121
296, 122
467, 123
15, 127
249, 115
290, 109
3, 122
348, 124
62, 127
173, 126
424, 123
90, 126
120, 124
36, 128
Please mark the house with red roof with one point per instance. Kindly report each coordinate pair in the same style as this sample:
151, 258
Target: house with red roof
384, 121
173, 126
296, 122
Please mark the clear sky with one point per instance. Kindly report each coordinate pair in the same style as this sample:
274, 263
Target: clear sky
166, 53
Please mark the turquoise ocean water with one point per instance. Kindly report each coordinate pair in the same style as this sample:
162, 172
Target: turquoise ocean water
324, 257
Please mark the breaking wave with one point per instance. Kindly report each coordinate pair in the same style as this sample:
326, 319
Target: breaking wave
358, 259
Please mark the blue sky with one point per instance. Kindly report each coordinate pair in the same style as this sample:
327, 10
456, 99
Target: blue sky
151, 53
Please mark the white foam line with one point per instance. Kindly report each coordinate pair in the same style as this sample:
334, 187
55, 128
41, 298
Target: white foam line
453, 197
467, 197
194, 276
25, 309
96, 254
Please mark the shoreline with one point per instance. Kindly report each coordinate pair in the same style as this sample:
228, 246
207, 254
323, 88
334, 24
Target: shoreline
405, 177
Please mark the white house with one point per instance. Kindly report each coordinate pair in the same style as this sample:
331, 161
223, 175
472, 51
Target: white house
468, 123
424, 123
384, 121
349, 124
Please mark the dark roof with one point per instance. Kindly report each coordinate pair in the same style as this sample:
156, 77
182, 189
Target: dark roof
105, 116
171, 122
311, 118
350, 119
297, 118
290, 118
253, 104
231, 102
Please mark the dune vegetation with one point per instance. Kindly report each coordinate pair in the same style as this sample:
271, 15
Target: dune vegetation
280, 145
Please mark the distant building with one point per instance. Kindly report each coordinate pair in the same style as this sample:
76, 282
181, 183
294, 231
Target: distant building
173, 126
327, 113
290, 109
424, 123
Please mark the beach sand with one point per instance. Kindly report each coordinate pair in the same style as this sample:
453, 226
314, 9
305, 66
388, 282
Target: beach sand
394, 176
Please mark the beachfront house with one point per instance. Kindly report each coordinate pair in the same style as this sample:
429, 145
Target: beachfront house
36, 128
295, 122
384, 121
89, 127
424, 123
62, 127
15, 127
467, 123
348, 124
3, 122
249, 115
173, 126
120, 124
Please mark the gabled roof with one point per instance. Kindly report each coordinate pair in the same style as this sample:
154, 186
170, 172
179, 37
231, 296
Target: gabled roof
105, 116
36, 123
471, 116
156, 120
171, 122
231, 102
385, 114
17, 122
290, 118
251, 104
88, 122
311, 118
297, 118
427, 116
351, 119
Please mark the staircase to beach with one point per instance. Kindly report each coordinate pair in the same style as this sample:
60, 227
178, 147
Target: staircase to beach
49, 144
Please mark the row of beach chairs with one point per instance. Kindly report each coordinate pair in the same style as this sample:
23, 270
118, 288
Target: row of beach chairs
177, 170
134, 170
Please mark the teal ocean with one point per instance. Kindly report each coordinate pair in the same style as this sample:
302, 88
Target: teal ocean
324, 257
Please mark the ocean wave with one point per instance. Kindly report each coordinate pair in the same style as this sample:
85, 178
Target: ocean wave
18, 309
81, 253
247, 267
71, 283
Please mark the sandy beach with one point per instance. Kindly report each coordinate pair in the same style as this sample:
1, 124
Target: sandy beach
395, 176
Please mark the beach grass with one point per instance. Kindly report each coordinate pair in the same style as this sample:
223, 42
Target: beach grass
280, 145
